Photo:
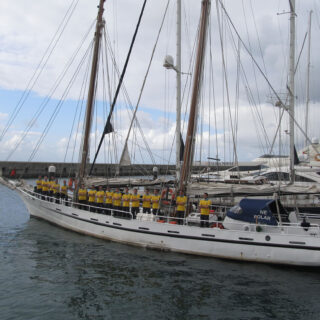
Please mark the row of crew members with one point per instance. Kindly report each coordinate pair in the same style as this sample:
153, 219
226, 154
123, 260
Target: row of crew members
121, 202
51, 188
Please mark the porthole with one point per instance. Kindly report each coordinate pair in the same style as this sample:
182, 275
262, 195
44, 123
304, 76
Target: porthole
268, 238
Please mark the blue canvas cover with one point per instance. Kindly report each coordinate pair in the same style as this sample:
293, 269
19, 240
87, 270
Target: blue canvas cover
259, 211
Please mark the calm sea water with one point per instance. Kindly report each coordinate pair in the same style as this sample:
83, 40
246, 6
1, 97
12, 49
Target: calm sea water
50, 273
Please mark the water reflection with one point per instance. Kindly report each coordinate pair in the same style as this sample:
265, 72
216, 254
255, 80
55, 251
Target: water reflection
50, 273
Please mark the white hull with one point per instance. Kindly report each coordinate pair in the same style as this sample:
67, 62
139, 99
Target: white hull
281, 248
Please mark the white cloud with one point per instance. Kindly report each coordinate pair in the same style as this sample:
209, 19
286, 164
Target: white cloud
26, 28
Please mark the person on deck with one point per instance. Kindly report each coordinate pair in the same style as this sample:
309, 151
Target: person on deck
64, 192
204, 207
109, 195
181, 202
39, 185
116, 203
82, 197
146, 202
56, 190
126, 203
135, 203
45, 188
92, 198
155, 200
51, 189
100, 199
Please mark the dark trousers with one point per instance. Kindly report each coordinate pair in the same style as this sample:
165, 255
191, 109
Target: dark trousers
180, 216
100, 206
57, 196
44, 195
92, 205
127, 212
82, 205
204, 220
108, 207
116, 211
135, 211
50, 193
146, 210
65, 198
156, 211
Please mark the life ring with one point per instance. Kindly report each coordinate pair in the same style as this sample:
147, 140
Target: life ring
217, 225
163, 194
317, 157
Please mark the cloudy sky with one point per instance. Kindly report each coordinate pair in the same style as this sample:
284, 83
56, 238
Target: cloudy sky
39, 39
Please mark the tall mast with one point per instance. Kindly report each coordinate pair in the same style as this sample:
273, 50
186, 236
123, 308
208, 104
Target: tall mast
91, 93
291, 85
308, 80
178, 94
197, 81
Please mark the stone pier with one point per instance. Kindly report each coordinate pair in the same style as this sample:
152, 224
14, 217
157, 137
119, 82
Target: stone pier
27, 170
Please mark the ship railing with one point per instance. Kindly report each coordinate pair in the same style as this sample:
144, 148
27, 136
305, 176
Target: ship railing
286, 228
118, 213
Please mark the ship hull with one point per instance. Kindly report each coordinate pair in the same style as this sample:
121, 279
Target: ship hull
264, 247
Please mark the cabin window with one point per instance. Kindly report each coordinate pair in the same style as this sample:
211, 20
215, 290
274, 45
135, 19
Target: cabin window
277, 176
303, 179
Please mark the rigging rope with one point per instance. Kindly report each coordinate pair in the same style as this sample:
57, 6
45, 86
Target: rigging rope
40, 67
47, 99
57, 109
108, 123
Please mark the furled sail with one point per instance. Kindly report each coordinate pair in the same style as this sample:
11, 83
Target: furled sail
125, 157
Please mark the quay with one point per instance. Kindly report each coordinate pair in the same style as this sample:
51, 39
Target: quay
27, 170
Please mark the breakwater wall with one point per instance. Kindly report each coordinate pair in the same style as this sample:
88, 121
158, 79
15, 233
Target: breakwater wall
34, 169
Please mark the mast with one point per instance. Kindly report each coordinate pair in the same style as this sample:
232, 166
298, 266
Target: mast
291, 85
178, 94
308, 80
91, 94
197, 81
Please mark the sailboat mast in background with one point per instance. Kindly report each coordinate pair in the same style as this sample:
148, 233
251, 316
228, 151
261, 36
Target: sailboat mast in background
291, 84
178, 94
308, 80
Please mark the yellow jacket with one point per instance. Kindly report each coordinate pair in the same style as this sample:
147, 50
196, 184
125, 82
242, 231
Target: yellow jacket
82, 194
181, 203
205, 204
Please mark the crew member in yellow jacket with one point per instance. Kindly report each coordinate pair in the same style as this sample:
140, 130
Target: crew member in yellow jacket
181, 202
82, 197
146, 202
155, 200
45, 188
126, 202
51, 189
64, 192
116, 202
92, 198
135, 203
109, 195
204, 207
39, 185
56, 190
100, 199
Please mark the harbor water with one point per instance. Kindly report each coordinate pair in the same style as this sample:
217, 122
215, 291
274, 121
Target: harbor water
50, 273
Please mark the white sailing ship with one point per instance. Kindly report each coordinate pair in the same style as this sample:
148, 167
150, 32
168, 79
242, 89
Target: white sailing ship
264, 237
